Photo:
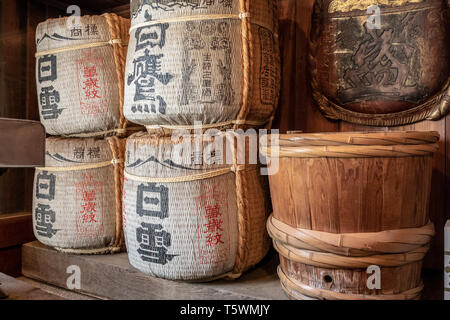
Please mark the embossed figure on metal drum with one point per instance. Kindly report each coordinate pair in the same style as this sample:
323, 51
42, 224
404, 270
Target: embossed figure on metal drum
390, 73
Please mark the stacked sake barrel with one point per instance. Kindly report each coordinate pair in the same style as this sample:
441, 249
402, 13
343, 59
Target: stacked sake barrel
213, 62
189, 214
350, 217
188, 219
80, 64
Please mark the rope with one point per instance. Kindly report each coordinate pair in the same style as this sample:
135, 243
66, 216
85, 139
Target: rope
207, 126
118, 28
194, 177
103, 133
240, 16
81, 46
111, 249
82, 167
117, 147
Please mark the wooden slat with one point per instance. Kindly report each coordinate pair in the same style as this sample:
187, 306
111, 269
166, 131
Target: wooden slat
15, 229
19, 290
111, 276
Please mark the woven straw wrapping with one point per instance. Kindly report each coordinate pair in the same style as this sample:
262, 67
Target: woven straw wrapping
79, 75
171, 227
192, 61
77, 196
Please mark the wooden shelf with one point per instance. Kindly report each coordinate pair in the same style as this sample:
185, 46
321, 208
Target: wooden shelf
112, 277
19, 290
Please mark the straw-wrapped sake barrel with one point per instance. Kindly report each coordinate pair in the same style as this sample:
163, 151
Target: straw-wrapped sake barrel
80, 74
77, 197
188, 217
216, 62
381, 62
346, 204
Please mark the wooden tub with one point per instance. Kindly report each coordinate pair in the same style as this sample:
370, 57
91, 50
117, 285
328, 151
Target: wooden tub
350, 209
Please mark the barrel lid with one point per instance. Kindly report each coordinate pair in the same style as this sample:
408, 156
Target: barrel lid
353, 144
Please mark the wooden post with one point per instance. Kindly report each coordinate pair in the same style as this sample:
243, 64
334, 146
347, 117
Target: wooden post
447, 262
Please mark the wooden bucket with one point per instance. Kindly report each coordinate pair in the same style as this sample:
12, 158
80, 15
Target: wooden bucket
77, 204
345, 202
216, 62
186, 218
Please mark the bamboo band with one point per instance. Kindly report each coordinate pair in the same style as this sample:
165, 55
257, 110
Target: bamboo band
82, 167
333, 261
81, 46
194, 177
119, 131
350, 151
207, 126
357, 138
111, 249
240, 16
351, 244
321, 294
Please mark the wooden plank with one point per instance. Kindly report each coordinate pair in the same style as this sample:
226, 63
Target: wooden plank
123, 10
12, 88
19, 290
60, 292
15, 229
111, 276
10, 261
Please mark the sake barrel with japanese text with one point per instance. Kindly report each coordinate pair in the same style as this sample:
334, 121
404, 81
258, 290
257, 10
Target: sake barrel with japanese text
77, 204
216, 62
381, 62
188, 217
350, 213
80, 66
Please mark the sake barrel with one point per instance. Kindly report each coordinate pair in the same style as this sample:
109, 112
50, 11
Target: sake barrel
80, 66
77, 204
381, 62
350, 213
186, 215
216, 62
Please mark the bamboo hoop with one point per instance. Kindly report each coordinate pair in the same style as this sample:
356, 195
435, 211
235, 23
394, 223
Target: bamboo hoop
350, 151
118, 28
358, 138
351, 244
333, 261
304, 290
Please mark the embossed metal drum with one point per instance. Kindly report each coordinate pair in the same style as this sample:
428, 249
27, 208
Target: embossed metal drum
380, 62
